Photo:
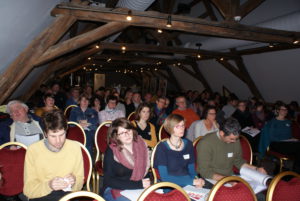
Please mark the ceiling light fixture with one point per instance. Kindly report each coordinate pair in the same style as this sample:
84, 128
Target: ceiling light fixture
159, 31
129, 16
169, 21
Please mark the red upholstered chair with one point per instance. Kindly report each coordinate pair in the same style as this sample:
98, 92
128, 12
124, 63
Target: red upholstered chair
195, 143
154, 171
68, 109
131, 116
162, 134
12, 162
240, 191
178, 194
280, 190
87, 166
76, 132
246, 151
101, 146
82, 195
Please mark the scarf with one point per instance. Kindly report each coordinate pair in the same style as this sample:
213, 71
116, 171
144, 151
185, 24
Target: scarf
138, 161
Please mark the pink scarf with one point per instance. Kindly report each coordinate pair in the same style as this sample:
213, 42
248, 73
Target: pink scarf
138, 161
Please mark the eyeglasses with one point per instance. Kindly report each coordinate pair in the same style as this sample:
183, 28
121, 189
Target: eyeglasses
180, 126
127, 132
212, 113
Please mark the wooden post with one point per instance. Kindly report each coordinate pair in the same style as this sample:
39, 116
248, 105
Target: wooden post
24, 63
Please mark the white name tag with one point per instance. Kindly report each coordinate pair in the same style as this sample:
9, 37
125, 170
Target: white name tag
187, 156
229, 155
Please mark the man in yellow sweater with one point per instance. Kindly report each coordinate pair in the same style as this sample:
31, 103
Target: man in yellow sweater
54, 165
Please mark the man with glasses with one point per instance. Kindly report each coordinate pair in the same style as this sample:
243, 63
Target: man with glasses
189, 115
218, 152
159, 113
22, 126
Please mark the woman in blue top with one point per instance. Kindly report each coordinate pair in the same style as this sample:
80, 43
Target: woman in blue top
87, 118
274, 134
174, 158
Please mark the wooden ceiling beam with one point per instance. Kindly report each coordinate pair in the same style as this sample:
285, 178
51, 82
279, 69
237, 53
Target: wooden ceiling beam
248, 6
265, 49
179, 23
163, 49
209, 10
80, 41
233, 70
250, 83
24, 63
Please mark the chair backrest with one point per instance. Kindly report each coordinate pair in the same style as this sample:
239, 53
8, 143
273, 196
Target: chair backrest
87, 166
101, 138
131, 116
178, 193
82, 194
246, 149
76, 132
12, 162
155, 172
195, 143
162, 134
280, 190
296, 130
238, 192
68, 109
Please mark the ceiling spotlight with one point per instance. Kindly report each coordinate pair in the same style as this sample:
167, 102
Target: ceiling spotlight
123, 48
109, 59
198, 56
221, 59
296, 41
89, 58
97, 46
178, 63
169, 21
159, 31
237, 18
129, 16
271, 45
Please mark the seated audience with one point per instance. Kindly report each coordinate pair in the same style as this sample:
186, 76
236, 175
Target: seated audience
88, 90
53, 166
126, 161
174, 158
259, 116
218, 152
275, 132
129, 106
59, 96
87, 118
74, 99
159, 112
207, 125
136, 99
230, 108
189, 115
243, 115
49, 105
96, 103
144, 128
110, 112
120, 106
21, 126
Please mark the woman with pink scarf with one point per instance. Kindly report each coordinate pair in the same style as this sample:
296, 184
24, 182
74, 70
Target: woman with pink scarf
126, 161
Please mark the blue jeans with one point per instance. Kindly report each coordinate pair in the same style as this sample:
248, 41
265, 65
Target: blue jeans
108, 196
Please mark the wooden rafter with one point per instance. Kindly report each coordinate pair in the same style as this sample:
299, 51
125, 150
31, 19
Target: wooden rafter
248, 6
179, 23
24, 63
80, 41
209, 10
163, 49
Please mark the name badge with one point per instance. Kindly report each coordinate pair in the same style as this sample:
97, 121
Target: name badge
229, 155
186, 156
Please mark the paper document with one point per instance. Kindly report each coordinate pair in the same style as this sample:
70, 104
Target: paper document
251, 131
198, 194
257, 180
